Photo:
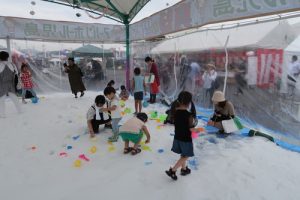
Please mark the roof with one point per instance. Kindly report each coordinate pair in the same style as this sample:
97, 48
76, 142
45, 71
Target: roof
119, 10
276, 34
91, 50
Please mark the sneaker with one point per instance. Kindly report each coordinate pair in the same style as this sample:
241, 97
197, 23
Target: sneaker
76, 96
113, 139
184, 172
82, 93
172, 174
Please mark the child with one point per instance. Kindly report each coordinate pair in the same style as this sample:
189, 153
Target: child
138, 87
96, 116
111, 83
171, 112
132, 131
124, 94
182, 143
114, 108
27, 84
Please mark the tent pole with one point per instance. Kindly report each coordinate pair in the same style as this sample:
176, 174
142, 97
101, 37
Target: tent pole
127, 54
226, 65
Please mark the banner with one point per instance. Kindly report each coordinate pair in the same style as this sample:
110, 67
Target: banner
35, 29
183, 15
194, 13
269, 67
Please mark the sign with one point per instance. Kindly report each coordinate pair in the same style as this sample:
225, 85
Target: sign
184, 15
194, 13
35, 29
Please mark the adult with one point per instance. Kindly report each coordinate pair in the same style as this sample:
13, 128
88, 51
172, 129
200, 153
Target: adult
75, 77
193, 74
224, 110
154, 87
240, 77
7, 83
209, 78
97, 68
293, 73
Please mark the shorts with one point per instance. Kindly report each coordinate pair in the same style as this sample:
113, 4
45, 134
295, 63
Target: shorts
185, 149
138, 96
135, 138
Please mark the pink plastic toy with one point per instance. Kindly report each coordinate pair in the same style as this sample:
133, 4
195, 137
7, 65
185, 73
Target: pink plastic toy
194, 135
63, 154
83, 157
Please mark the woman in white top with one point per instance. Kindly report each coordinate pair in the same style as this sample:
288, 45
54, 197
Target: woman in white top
209, 78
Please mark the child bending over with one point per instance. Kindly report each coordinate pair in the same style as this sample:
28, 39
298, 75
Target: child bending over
132, 131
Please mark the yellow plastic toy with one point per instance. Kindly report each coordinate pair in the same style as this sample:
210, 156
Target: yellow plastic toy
77, 163
93, 149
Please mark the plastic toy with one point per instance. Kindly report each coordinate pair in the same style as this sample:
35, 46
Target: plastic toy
93, 149
77, 163
153, 114
69, 147
76, 137
63, 154
163, 117
111, 149
194, 135
160, 150
34, 100
83, 157
145, 104
127, 110
122, 103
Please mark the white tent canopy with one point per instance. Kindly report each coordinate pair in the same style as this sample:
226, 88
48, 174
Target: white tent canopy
276, 34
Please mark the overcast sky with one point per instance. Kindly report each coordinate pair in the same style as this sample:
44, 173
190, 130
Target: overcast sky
51, 11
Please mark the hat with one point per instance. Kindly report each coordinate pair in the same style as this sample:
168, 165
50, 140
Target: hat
211, 65
218, 97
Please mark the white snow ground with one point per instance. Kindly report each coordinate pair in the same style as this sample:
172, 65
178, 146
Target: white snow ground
223, 169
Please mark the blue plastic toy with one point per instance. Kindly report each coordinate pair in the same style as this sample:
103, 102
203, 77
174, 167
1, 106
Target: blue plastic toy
34, 100
145, 104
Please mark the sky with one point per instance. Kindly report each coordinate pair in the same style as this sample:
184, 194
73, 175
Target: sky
51, 11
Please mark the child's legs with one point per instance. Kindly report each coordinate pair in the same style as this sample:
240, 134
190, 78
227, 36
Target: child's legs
181, 162
32, 92
2, 106
15, 100
136, 105
23, 93
95, 126
139, 106
126, 144
115, 126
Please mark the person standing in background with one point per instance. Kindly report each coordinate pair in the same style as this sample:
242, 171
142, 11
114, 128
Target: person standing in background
209, 77
154, 87
7, 83
75, 77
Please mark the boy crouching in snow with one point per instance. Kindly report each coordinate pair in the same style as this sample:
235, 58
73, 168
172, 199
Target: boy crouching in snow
132, 131
95, 115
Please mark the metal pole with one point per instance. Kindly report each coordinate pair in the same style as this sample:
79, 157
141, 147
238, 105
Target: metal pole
127, 55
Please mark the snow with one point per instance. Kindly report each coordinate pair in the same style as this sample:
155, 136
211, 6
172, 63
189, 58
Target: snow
230, 168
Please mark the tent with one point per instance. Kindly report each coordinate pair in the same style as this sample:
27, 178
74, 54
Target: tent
91, 51
275, 35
